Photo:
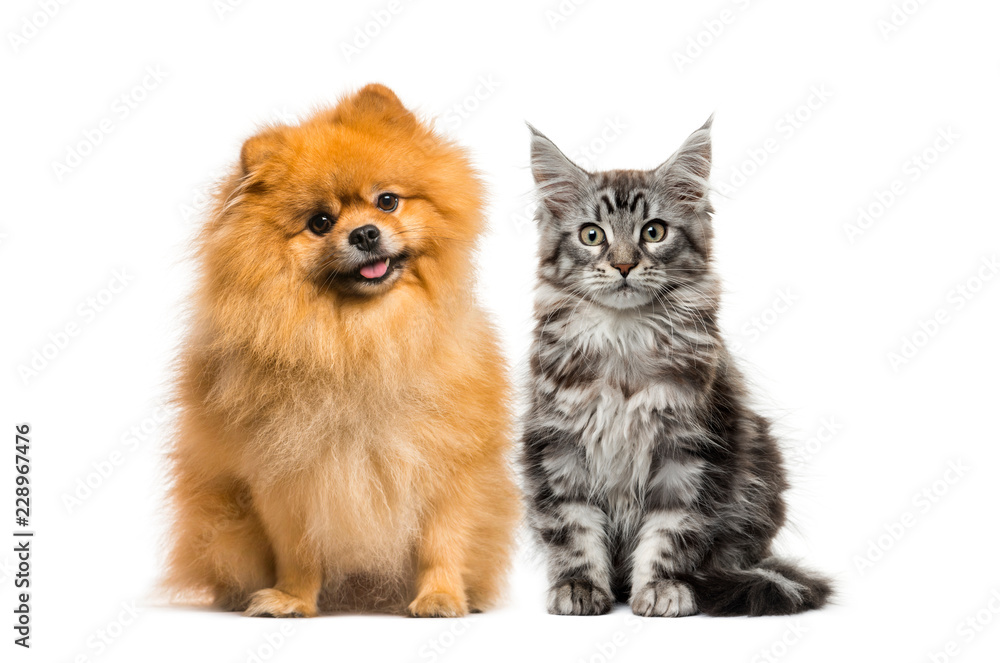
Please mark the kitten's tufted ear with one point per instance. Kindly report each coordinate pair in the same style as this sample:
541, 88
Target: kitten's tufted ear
685, 174
559, 180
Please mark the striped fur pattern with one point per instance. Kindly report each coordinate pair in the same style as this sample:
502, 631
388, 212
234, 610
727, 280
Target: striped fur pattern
651, 480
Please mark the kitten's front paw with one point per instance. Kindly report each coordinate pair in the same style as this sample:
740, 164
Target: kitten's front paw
438, 604
276, 603
664, 598
579, 597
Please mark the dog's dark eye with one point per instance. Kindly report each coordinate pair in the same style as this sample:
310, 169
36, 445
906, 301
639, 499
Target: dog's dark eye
321, 223
654, 231
387, 202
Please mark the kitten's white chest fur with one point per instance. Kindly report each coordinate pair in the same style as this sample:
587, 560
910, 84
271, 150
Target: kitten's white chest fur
619, 414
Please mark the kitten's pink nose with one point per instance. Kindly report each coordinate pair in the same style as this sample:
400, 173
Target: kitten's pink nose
624, 269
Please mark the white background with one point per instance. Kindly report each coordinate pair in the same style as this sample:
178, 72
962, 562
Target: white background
605, 82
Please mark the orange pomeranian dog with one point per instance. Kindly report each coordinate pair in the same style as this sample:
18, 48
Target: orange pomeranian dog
344, 424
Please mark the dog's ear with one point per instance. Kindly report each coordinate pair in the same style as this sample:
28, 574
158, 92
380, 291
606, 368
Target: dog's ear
258, 149
373, 101
376, 97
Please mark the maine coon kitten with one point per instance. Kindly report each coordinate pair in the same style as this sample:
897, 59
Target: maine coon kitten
650, 478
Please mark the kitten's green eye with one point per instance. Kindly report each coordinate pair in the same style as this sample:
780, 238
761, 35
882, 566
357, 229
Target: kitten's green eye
654, 231
592, 235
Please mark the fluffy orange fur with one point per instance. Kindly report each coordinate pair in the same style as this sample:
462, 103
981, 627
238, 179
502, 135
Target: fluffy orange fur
340, 439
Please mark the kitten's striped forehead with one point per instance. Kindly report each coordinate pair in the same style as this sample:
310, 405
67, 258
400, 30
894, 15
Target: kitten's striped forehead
622, 195
623, 191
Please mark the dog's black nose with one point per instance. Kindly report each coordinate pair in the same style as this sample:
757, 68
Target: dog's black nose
365, 237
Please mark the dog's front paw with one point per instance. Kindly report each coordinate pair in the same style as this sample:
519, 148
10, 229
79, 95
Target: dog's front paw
664, 598
276, 603
438, 604
578, 597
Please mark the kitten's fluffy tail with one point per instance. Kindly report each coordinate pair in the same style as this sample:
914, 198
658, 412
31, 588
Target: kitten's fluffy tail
774, 587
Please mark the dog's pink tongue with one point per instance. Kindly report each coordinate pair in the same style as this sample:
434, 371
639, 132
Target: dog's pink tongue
376, 270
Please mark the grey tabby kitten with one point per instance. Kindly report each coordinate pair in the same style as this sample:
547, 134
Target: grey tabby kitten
651, 480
